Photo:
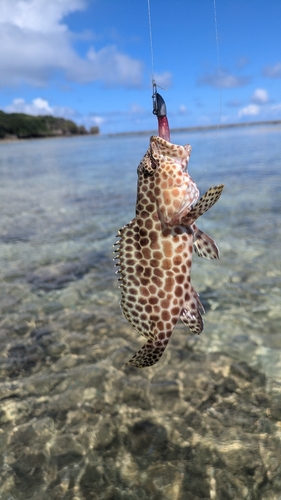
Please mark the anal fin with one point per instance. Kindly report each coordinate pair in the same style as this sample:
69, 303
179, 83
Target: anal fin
191, 313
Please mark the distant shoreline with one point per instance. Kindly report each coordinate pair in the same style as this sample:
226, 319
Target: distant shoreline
65, 136
20, 126
11, 138
199, 128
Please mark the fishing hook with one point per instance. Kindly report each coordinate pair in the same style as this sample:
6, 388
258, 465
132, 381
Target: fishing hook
160, 110
159, 106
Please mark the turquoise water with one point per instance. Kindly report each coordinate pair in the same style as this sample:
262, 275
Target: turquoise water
63, 338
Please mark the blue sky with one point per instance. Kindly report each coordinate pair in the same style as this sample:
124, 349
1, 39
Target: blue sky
90, 60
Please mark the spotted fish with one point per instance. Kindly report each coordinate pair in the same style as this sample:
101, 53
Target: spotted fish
155, 249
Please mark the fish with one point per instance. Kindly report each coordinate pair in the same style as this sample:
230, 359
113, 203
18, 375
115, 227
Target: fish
154, 251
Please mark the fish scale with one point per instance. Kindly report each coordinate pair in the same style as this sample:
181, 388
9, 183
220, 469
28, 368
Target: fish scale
154, 250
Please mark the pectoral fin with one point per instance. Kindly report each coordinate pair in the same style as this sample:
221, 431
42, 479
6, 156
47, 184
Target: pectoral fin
205, 203
204, 245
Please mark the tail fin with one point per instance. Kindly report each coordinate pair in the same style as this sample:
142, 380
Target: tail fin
149, 354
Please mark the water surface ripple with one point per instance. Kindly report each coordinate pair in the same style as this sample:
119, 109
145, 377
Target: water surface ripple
75, 424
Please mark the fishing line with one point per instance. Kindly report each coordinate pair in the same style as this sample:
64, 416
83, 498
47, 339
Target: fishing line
226, 278
218, 127
151, 43
218, 61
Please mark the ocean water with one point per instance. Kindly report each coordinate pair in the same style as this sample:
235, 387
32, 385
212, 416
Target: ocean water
205, 422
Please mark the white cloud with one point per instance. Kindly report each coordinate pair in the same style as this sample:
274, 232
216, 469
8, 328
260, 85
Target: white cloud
250, 110
163, 80
109, 64
42, 107
234, 103
260, 96
97, 120
136, 109
260, 106
276, 108
35, 44
242, 62
182, 109
223, 79
39, 106
273, 71
38, 15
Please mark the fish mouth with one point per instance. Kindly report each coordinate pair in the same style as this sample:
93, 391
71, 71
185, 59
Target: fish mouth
165, 149
185, 159
183, 162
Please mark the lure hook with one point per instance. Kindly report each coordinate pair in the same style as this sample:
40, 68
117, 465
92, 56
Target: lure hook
160, 110
159, 105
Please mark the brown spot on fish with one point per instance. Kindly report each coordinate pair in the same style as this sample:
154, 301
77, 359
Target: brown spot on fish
167, 248
165, 315
161, 294
149, 224
157, 281
158, 272
166, 264
169, 283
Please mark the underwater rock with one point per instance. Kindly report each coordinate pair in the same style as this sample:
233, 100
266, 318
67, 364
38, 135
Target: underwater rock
84, 427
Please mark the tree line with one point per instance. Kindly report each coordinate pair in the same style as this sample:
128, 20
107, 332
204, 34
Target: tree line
22, 126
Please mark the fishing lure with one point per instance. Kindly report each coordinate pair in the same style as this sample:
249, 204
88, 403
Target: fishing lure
155, 249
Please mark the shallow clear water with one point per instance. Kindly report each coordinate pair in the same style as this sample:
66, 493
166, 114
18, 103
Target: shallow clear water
74, 422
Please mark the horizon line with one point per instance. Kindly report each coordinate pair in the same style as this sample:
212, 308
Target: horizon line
199, 128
